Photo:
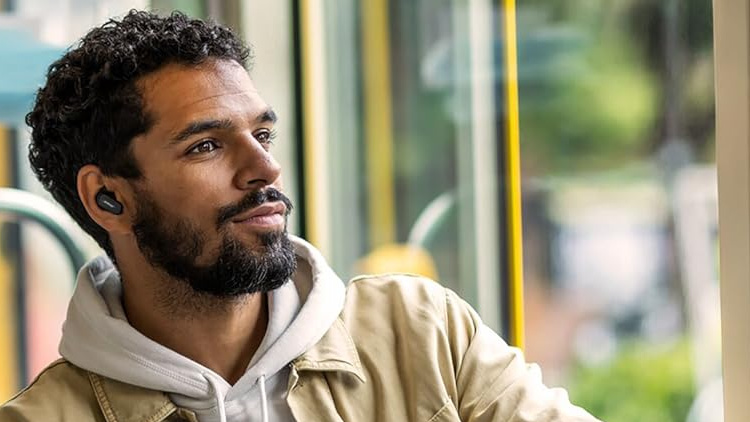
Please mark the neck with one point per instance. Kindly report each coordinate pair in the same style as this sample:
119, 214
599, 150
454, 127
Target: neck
221, 334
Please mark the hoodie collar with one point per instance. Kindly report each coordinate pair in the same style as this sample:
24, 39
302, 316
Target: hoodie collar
120, 402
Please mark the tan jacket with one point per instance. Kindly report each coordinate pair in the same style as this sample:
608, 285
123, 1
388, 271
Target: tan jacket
403, 349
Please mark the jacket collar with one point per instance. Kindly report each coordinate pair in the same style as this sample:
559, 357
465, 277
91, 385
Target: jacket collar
120, 402
334, 352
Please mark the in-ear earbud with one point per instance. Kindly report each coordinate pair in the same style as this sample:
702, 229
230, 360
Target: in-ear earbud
106, 201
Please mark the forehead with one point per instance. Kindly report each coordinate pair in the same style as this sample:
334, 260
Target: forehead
178, 93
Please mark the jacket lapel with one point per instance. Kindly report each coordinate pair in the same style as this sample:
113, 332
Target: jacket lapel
309, 395
335, 352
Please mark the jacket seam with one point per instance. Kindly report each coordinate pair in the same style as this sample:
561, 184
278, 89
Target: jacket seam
162, 413
106, 406
442, 410
351, 346
446, 304
446, 299
476, 326
101, 398
482, 399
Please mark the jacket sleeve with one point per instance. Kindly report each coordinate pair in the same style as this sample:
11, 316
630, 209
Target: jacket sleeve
493, 381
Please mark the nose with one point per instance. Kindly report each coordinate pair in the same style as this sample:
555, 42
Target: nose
256, 167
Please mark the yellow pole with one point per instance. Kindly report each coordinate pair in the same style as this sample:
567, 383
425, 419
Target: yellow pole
314, 125
8, 337
378, 125
513, 176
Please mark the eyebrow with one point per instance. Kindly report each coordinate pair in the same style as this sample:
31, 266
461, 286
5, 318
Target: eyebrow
267, 116
201, 126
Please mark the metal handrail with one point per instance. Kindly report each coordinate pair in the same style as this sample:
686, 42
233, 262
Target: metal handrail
34, 208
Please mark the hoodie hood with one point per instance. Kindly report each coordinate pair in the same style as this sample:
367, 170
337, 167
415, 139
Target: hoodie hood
97, 337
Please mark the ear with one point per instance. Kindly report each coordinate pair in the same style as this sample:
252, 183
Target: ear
91, 181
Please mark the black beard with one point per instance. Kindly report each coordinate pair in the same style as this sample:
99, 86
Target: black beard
174, 246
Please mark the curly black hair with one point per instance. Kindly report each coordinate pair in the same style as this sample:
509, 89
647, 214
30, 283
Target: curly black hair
90, 108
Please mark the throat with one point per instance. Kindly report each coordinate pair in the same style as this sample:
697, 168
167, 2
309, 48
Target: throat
219, 333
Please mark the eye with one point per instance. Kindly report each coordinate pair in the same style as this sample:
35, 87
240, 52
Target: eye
203, 147
265, 136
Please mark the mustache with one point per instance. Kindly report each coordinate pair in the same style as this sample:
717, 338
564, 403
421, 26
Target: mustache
253, 200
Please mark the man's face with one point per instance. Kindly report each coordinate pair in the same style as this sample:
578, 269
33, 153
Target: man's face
210, 210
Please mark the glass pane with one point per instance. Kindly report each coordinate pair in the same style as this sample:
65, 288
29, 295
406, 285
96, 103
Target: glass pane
411, 91
617, 146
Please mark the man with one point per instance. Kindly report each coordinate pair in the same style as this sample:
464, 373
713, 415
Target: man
152, 136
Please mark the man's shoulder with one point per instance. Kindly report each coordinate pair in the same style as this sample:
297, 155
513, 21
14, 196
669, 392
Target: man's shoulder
397, 298
400, 281
61, 391
402, 300
400, 287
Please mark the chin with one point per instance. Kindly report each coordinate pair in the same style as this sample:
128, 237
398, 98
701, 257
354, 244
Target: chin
269, 237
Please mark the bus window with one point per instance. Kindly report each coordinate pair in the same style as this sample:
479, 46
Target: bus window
620, 205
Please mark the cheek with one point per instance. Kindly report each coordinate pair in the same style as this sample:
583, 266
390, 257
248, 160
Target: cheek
196, 204
198, 186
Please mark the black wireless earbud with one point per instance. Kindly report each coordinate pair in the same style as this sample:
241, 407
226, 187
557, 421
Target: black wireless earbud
106, 201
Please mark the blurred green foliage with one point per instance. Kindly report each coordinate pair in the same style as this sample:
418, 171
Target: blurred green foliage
595, 116
593, 81
644, 382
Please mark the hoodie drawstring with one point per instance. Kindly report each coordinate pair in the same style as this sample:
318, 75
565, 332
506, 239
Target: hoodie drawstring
219, 398
263, 398
222, 406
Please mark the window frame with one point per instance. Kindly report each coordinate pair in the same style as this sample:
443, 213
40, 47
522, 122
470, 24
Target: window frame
732, 78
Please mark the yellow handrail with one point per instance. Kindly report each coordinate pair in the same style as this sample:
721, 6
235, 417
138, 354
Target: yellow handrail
314, 125
513, 177
378, 126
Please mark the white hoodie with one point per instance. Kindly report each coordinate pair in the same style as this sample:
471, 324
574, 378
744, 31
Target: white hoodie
97, 337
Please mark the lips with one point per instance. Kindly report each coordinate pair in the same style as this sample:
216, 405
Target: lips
261, 213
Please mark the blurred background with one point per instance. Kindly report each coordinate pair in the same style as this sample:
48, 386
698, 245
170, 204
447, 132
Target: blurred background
588, 238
